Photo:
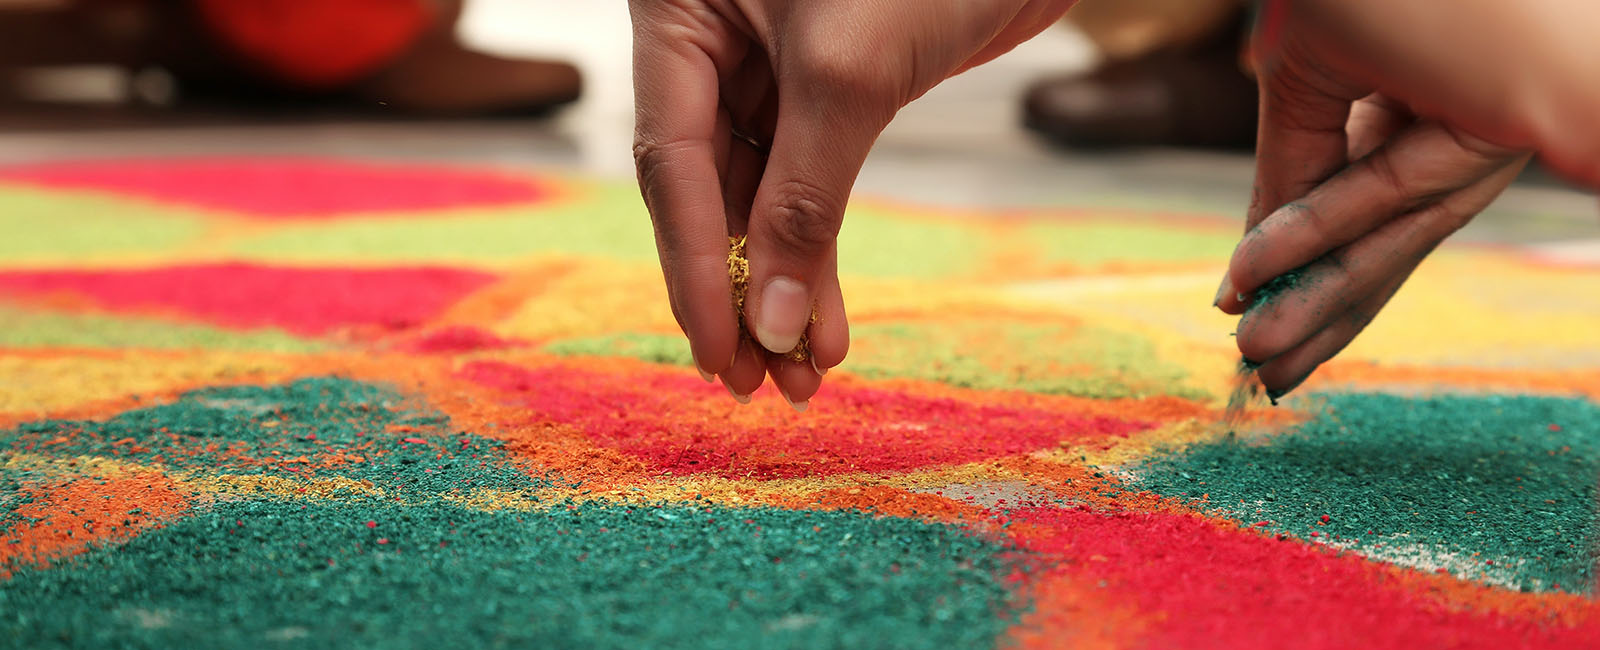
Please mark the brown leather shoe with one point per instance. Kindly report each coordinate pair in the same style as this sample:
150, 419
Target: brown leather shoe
1190, 98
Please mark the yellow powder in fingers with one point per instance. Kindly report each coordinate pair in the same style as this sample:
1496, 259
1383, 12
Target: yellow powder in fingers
739, 277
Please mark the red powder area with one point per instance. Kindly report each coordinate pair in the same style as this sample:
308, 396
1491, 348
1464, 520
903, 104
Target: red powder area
458, 339
1199, 585
300, 300
278, 188
67, 517
681, 425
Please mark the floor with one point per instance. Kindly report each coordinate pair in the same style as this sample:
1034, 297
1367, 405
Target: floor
960, 145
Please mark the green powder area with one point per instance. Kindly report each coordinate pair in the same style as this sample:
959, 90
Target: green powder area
1094, 243
1050, 359
48, 227
654, 348
267, 573
312, 428
12, 496
26, 329
1424, 481
605, 221
877, 242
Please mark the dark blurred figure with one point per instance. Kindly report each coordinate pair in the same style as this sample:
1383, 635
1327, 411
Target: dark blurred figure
1173, 74
386, 55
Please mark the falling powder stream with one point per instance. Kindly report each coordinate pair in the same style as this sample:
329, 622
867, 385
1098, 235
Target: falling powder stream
1245, 389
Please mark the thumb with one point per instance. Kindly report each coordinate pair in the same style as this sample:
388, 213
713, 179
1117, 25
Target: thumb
796, 216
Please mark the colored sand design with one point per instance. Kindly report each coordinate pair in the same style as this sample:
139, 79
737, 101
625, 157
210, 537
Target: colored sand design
305, 301
1066, 359
1494, 487
24, 328
277, 188
368, 574
312, 428
415, 406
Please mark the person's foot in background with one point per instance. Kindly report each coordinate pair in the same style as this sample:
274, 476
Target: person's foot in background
385, 57
1172, 76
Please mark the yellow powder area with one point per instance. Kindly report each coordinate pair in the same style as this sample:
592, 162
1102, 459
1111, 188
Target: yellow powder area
95, 382
589, 297
595, 297
281, 487
44, 465
504, 298
1467, 307
1484, 309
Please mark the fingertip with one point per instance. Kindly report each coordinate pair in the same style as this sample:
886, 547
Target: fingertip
829, 336
745, 374
796, 382
1279, 379
712, 355
1263, 336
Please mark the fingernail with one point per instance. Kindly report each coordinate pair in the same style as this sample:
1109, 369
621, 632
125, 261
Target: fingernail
1275, 395
799, 407
742, 399
785, 312
1223, 290
819, 370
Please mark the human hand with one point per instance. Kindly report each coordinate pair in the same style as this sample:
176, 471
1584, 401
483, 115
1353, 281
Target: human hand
1373, 188
753, 118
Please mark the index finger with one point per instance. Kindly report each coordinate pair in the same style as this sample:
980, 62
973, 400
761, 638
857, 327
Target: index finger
1300, 140
676, 104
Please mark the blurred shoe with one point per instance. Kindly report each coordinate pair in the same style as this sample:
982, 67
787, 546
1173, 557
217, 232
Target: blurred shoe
440, 77
1187, 98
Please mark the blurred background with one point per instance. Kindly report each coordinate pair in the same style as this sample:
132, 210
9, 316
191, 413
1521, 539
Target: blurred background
1133, 103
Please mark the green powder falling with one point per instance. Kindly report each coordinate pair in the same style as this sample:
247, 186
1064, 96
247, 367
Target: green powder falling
1245, 387
251, 574
1499, 488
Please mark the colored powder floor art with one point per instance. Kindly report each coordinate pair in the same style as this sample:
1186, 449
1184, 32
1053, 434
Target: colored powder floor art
309, 402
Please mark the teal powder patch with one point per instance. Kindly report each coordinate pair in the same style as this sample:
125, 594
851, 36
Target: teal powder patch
1490, 487
12, 497
311, 428
252, 574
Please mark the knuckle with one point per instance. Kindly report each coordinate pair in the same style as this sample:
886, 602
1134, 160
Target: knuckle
846, 71
1477, 146
1382, 166
1314, 219
650, 155
1448, 217
804, 218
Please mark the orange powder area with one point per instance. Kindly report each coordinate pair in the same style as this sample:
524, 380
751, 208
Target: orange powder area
66, 517
1067, 613
502, 299
882, 500
1335, 374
